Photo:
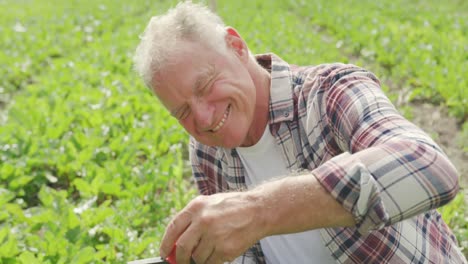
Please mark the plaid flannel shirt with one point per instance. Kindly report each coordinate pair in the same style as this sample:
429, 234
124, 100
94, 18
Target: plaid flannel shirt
334, 121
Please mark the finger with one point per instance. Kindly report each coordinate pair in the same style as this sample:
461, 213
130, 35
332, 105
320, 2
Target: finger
186, 244
175, 228
212, 259
203, 251
222, 254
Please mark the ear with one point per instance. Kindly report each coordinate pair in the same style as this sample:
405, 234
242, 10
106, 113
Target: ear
235, 42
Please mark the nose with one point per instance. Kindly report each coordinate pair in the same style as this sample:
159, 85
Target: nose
203, 113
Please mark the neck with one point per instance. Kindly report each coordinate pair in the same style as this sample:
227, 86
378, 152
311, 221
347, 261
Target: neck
260, 121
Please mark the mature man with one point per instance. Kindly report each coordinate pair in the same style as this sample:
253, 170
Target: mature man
295, 164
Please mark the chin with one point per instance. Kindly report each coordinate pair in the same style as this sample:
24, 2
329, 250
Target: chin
230, 145
228, 141
225, 143
232, 142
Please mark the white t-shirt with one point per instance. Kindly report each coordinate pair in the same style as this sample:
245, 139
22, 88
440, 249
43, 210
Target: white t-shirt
264, 162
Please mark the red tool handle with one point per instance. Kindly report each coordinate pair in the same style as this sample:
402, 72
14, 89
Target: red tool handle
172, 257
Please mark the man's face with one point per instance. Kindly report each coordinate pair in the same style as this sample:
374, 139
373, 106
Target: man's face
211, 93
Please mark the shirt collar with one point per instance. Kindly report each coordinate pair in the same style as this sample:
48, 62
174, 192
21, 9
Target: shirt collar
281, 91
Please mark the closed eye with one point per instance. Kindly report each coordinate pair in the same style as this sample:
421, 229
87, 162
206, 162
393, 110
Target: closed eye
209, 86
184, 113
205, 84
181, 112
204, 89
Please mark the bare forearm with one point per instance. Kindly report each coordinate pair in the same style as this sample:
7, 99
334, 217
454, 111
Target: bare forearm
296, 204
220, 227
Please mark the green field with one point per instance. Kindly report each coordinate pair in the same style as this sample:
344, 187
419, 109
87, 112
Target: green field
92, 167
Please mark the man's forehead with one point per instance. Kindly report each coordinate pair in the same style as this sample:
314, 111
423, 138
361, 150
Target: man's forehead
200, 74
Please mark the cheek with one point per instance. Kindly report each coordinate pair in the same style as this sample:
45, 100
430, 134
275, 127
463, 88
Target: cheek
187, 124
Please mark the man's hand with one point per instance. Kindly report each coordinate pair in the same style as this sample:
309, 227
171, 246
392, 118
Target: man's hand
218, 228
214, 229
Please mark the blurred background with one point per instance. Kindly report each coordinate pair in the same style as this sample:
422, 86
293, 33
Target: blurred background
92, 167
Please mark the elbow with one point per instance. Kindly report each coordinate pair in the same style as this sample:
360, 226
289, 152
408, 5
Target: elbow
437, 174
444, 178
452, 186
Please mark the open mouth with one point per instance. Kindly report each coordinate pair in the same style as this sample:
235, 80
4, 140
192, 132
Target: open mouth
221, 123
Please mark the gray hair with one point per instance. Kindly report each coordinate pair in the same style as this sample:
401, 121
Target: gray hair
187, 21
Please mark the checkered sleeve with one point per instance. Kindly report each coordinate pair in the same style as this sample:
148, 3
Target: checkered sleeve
252, 256
389, 169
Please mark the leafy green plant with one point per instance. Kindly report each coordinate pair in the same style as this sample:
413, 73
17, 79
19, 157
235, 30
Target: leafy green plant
91, 165
455, 215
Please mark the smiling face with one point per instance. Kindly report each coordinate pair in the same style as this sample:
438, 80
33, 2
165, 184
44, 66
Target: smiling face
212, 94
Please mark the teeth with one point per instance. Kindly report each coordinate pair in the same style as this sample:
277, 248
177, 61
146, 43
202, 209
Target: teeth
221, 123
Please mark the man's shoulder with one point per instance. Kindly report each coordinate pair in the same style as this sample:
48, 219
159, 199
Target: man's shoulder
324, 76
323, 70
326, 70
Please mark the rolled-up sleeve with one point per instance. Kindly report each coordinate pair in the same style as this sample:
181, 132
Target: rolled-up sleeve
389, 169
